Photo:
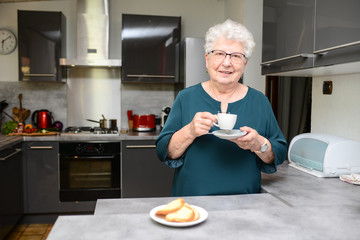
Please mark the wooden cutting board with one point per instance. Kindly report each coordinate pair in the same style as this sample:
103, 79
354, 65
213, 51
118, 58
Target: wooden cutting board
34, 134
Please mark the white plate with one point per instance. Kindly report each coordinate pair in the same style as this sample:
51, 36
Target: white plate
203, 216
229, 134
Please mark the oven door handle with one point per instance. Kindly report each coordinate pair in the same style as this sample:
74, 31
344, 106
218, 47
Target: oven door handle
73, 157
140, 146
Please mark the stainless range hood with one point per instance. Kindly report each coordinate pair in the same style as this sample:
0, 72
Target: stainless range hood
92, 36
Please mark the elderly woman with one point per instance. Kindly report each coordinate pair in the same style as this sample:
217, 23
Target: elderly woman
205, 164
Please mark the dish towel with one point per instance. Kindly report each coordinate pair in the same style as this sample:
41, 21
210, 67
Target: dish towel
353, 178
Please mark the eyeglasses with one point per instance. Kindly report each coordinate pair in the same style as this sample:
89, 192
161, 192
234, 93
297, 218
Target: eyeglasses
220, 55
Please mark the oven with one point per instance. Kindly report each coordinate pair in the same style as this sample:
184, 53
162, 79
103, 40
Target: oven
89, 170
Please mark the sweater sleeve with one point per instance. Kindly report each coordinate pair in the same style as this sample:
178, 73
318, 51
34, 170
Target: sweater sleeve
173, 124
278, 143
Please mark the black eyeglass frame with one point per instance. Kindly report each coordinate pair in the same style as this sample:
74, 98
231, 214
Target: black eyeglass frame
229, 54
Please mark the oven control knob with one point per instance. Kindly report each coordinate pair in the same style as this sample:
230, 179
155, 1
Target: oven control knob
100, 148
79, 148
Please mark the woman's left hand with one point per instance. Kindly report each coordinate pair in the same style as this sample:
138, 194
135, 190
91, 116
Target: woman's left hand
251, 141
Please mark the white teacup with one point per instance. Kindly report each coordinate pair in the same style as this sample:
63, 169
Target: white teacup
226, 121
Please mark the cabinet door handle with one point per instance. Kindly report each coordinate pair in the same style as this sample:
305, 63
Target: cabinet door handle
11, 154
326, 50
140, 146
71, 157
150, 76
41, 147
303, 55
39, 75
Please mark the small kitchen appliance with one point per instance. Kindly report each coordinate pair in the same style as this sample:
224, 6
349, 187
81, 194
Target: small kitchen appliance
324, 155
164, 115
144, 123
42, 118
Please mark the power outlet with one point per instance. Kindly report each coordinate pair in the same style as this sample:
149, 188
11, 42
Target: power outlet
327, 87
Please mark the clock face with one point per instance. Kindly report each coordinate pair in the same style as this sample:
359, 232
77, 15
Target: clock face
7, 41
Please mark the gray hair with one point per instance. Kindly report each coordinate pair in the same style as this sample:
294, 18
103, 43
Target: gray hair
232, 31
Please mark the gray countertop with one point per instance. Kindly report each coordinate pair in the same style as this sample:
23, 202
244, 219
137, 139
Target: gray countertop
294, 205
96, 137
8, 141
300, 189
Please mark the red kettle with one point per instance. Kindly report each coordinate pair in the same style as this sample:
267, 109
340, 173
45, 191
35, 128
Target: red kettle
42, 118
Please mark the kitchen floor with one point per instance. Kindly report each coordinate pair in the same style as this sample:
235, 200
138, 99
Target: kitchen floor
30, 232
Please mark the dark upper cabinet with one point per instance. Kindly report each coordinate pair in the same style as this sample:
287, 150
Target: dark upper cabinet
150, 48
288, 35
305, 34
41, 45
337, 37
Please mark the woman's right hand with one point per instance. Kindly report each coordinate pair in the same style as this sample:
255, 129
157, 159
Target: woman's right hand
202, 123
181, 140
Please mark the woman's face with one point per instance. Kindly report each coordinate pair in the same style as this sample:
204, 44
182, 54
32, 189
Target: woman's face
225, 71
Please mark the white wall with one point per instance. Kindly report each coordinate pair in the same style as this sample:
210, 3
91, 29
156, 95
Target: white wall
249, 13
338, 113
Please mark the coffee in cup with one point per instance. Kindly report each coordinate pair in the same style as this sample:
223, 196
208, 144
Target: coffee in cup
226, 121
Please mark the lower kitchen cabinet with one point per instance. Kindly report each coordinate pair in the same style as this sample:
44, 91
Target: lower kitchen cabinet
11, 188
41, 177
41, 183
143, 174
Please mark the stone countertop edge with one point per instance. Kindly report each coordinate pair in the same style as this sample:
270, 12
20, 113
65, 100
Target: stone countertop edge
8, 141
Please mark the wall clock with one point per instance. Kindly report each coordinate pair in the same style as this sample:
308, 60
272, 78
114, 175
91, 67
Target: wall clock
8, 41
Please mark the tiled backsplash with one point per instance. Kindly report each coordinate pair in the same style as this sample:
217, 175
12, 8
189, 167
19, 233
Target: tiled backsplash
145, 99
141, 98
35, 96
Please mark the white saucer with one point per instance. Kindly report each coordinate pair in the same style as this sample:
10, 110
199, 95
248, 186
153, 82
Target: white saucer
203, 216
229, 134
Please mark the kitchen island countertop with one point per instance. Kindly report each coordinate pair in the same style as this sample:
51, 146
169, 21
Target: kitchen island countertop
294, 205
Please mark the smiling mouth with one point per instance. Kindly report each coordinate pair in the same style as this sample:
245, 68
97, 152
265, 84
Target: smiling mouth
225, 72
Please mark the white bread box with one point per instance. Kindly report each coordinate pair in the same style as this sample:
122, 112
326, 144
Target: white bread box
324, 155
